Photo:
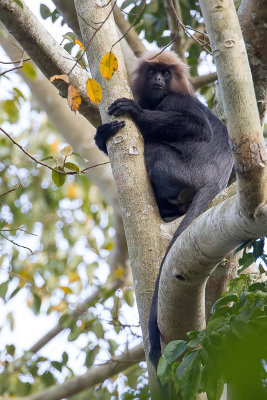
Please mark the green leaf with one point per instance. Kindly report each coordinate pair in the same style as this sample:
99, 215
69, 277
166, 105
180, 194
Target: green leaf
47, 158
91, 355
70, 36
36, 304
129, 297
74, 334
191, 383
69, 46
262, 286
10, 349
74, 153
57, 365
163, 370
72, 166
242, 246
258, 248
19, 3
47, 378
19, 94
245, 261
13, 294
65, 358
185, 364
44, 11
174, 349
3, 289
58, 179
98, 329
66, 320
10, 107
223, 301
29, 70
215, 387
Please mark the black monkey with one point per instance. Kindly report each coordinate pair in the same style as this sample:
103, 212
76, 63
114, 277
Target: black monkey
187, 152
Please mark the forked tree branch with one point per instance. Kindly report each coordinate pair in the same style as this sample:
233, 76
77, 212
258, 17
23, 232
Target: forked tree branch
222, 228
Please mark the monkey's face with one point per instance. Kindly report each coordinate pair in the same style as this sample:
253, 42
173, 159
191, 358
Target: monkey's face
157, 83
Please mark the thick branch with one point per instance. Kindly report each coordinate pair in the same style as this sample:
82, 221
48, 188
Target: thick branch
239, 101
182, 284
253, 20
92, 377
67, 9
139, 211
199, 81
48, 55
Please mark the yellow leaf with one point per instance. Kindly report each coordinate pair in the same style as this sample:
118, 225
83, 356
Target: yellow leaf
73, 276
108, 65
73, 191
74, 98
61, 306
65, 289
119, 272
30, 301
54, 146
109, 246
80, 44
94, 91
66, 151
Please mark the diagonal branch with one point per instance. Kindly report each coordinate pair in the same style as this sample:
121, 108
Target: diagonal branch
48, 55
92, 377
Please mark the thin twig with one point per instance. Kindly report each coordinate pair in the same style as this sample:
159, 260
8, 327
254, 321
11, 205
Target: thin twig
95, 32
93, 166
16, 244
14, 62
46, 165
18, 229
12, 190
142, 5
186, 28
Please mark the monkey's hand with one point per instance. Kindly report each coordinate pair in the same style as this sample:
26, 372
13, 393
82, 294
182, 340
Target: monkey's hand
124, 106
106, 131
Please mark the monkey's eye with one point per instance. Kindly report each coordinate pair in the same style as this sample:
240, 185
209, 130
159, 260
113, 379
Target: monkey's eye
151, 72
166, 73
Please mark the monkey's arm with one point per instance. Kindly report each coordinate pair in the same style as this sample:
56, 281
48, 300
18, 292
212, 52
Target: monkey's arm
186, 124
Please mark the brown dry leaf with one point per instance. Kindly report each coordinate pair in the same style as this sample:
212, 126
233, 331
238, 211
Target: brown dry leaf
74, 99
108, 65
94, 91
63, 77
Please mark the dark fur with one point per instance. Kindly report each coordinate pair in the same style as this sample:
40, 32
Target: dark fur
187, 153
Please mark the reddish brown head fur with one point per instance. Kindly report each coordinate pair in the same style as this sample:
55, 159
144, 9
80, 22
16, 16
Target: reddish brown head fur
179, 83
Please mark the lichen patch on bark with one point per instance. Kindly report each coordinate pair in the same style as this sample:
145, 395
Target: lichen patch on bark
249, 154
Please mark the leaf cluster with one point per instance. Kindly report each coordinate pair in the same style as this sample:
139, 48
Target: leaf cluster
232, 349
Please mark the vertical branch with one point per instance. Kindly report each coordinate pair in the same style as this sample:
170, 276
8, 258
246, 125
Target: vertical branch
126, 151
239, 101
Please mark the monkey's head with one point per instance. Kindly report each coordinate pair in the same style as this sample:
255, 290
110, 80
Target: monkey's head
158, 75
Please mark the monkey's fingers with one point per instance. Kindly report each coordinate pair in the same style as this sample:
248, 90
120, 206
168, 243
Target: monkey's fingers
122, 105
105, 131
